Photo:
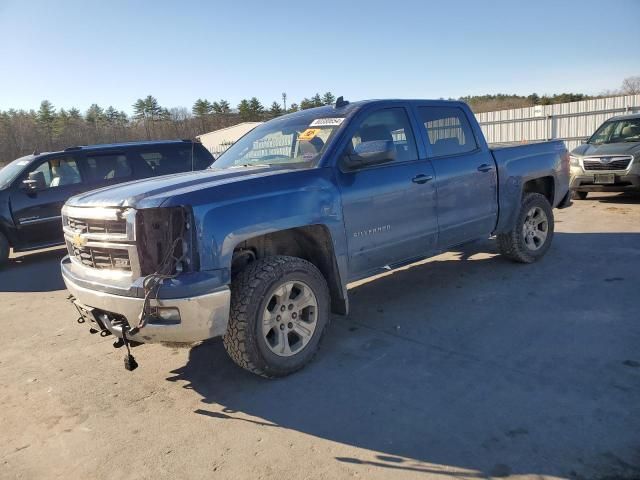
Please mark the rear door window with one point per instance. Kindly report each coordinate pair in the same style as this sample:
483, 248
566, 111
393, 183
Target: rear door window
448, 130
107, 166
168, 159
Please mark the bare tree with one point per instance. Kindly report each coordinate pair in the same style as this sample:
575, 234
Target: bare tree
631, 85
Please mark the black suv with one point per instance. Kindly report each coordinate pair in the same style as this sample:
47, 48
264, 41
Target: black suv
34, 188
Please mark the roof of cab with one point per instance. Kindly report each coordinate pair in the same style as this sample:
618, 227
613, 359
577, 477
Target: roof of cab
108, 146
125, 144
352, 106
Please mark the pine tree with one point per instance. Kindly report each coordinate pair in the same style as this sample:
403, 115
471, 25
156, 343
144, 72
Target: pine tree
96, 118
275, 110
256, 109
46, 118
328, 98
221, 107
201, 110
244, 108
316, 100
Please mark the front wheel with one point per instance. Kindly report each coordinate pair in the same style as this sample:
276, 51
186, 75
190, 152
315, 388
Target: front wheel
279, 311
531, 236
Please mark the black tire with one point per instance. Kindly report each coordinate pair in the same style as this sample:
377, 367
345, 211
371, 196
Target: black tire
4, 250
579, 195
512, 244
251, 289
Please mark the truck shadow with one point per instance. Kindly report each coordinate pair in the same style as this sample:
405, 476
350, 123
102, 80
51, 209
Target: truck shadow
628, 198
33, 272
458, 367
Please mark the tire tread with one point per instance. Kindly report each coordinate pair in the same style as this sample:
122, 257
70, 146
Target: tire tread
511, 244
237, 339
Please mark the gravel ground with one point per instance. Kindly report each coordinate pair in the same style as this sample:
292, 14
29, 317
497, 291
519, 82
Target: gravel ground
463, 366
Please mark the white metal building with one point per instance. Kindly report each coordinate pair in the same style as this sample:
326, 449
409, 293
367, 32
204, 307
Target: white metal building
572, 122
219, 140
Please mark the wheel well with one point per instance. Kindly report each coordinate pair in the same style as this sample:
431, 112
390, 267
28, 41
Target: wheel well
543, 185
5, 235
312, 243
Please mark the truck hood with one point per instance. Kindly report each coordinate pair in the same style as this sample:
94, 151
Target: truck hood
153, 192
624, 148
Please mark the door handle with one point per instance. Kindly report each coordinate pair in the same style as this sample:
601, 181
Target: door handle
485, 168
421, 178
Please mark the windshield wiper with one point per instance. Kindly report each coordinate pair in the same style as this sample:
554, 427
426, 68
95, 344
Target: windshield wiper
245, 165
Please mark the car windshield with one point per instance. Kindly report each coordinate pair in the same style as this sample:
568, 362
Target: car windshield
617, 131
9, 172
296, 140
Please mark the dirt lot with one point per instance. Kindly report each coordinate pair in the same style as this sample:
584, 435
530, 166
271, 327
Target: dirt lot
464, 366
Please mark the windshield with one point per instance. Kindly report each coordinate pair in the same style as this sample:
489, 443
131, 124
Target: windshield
12, 170
296, 140
617, 131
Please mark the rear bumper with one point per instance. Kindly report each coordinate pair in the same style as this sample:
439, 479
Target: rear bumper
201, 317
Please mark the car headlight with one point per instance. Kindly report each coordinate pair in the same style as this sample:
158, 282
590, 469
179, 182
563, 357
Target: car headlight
574, 161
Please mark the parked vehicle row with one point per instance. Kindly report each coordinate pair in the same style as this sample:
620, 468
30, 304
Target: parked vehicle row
34, 188
259, 249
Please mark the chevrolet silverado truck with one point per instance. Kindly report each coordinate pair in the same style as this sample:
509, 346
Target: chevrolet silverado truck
610, 160
259, 248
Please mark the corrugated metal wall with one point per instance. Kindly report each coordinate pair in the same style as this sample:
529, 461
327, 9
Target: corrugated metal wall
571, 122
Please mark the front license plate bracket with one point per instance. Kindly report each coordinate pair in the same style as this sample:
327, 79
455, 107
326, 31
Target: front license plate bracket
604, 178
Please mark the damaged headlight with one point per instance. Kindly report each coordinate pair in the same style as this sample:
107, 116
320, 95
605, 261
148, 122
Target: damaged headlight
165, 240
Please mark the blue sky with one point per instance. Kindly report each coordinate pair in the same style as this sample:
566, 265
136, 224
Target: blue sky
75, 53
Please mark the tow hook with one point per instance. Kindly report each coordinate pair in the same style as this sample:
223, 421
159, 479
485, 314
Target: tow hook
130, 363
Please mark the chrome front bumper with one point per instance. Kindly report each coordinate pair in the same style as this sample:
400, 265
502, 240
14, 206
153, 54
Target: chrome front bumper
201, 317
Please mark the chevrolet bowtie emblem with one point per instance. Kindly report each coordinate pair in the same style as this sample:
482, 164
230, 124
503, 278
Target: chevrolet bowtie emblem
79, 241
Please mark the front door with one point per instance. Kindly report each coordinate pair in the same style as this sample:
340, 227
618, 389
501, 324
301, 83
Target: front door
36, 209
465, 176
389, 209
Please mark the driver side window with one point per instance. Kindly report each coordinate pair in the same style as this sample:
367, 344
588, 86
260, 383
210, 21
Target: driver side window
389, 124
55, 172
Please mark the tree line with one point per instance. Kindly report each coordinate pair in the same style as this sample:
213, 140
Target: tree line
50, 129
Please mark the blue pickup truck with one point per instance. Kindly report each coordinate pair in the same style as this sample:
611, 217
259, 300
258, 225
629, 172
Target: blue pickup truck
259, 248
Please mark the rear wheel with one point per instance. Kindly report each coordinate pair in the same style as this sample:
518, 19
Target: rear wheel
579, 195
279, 311
4, 250
532, 233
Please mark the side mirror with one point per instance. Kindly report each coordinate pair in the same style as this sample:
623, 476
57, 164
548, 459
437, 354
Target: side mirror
30, 184
34, 182
374, 152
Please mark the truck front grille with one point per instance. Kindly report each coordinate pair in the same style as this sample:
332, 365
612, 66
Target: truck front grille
607, 163
103, 239
101, 258
86, 225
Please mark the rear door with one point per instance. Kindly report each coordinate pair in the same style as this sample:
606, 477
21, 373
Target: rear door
36, 212
465, 172
389, 209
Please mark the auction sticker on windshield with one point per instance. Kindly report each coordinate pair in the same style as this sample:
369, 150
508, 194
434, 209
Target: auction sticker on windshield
308, 134
326, 122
